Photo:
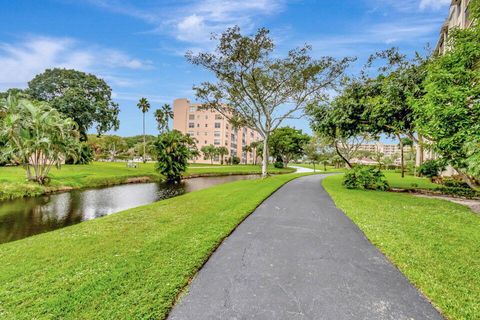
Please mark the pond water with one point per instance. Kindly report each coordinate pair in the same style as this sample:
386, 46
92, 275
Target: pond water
25, 217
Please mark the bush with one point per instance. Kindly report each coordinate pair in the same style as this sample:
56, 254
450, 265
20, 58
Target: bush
455, 183
278, 165
459, 192
235, 160
431, 168
85, 156
363, 177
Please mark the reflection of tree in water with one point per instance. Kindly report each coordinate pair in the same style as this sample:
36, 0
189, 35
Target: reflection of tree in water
167, 190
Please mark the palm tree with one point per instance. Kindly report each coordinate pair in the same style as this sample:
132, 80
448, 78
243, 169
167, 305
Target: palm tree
144, 106
162, 116
247, 149
222, 152
254, 145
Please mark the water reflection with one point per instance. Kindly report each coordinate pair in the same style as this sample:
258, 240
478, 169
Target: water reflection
25, 217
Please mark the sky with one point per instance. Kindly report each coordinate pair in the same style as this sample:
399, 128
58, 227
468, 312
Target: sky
138, 46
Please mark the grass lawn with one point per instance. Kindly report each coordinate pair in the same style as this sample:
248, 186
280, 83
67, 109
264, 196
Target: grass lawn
408, 182
435, 243
97, 174
128, 265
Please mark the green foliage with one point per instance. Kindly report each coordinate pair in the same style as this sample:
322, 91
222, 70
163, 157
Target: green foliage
287, 143
85, 155
449, 112
37, 136
222, 152
209, 152
454, 183
163, 115
279, 164
173, 153
82, 97
365, 177
234, 160
459, 192
431, 168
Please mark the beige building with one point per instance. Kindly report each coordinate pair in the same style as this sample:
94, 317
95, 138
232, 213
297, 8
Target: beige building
209, 127
457, 18
388, 150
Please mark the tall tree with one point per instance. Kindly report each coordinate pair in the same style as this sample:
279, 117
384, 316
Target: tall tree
82, 97
287, 143
246, 150
144, 106
258, 88
163, 115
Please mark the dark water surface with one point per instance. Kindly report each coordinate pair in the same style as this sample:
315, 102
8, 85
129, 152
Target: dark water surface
22, 218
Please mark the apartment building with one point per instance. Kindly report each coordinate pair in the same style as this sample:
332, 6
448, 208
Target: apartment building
209, 127
457, 18
388, 150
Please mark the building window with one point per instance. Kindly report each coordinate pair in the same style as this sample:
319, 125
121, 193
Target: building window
217, 133
191, 125
191, 117
206, 125
216, 142
193, 109
191, 133
206, 133
206, 117
206, 142
218, 117
218, 125
226, 126
198, 125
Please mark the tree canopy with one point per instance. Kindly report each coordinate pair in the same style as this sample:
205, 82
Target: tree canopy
259, 90
82, 97
288, 143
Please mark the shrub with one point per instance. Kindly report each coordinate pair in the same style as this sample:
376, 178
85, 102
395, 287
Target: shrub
460, 192
235, 160
431, 168
363, 177
278, 165
85, 156
173, 152
455, 183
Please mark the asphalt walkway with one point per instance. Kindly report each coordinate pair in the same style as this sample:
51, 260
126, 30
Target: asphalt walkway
299, 257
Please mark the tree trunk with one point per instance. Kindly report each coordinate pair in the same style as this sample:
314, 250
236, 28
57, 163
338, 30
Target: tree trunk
402, 162
341, 156
144, 159
265, 158
314, 170
421, 150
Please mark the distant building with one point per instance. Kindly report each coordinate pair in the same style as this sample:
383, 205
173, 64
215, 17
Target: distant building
388, 150
210, 127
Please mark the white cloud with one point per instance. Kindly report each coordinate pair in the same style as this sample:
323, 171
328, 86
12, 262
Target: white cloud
21, 61
434, 4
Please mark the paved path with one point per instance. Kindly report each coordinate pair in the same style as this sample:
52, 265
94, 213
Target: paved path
302, 169
298, 257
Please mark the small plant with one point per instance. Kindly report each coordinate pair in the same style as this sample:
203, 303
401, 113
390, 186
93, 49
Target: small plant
431, 169
278, 165
455, 183
364, 177
414, 185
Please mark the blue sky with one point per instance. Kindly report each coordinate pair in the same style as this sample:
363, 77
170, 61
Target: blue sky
138, 46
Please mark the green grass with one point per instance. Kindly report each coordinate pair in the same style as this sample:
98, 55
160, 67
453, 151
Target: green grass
130, 265
99, 174
408, 182
435, 243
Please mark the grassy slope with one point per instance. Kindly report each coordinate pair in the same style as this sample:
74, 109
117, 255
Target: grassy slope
408, 182
13, 184
124, 266
435, 243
